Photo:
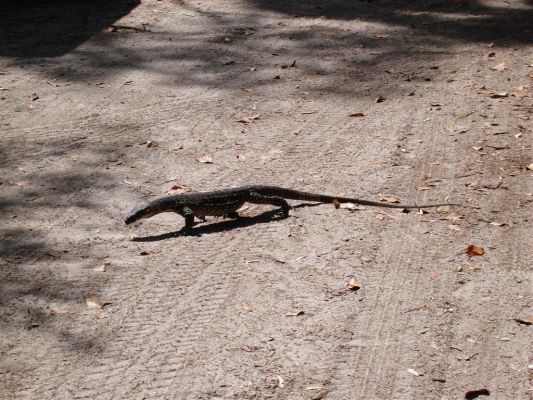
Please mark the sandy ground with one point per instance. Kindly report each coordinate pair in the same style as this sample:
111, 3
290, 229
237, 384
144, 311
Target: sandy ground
259, 308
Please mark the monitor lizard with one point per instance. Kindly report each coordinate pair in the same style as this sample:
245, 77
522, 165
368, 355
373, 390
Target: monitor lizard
226, 202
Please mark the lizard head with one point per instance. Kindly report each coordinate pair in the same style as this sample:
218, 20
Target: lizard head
144, 211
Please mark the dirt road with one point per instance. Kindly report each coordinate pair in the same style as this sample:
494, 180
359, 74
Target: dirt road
105, 106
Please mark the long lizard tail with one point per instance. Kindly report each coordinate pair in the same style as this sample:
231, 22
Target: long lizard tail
320, 198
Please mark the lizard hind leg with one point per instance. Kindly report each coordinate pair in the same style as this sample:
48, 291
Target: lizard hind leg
256, 198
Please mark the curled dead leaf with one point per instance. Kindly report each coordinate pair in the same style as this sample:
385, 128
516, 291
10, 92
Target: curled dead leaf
390, 199
295, 313
524, 320
152, 143
474, 250
495, 223
472, 394
499, 95
248, 120
499, 67
94, 302
175, 189
413, 372
205, 159
354, 284
101, 267
349, 206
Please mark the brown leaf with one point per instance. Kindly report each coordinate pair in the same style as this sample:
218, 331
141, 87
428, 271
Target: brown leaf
500, 67
206, 159
357, 114
294, 313
524, 320
177, 188
495, 223
472, 394
354, 284
94, 302
248, 120
152, 143
60, 311
380, 99
390, 199
499, 95
349, 206
474, 250
101, 267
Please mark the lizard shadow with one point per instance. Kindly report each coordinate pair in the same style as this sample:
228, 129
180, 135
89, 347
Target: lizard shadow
241, 222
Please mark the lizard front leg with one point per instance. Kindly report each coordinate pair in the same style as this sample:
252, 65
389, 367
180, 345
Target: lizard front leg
256, 198
189, 218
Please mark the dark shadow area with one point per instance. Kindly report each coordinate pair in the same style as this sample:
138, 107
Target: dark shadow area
241, 222
36, 28
464, 20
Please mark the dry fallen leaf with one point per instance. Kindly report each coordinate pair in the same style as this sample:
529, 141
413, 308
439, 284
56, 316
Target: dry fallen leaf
348, 206
357, 114
101, 268
246, 307
94, 302
524, 320
206, 159
500, 67
152, 143
59, 311
247, 120
499, 95
390, 199
295, 313
354, 284
380, 99
495, 223
472, 394
175, 189
474, 250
